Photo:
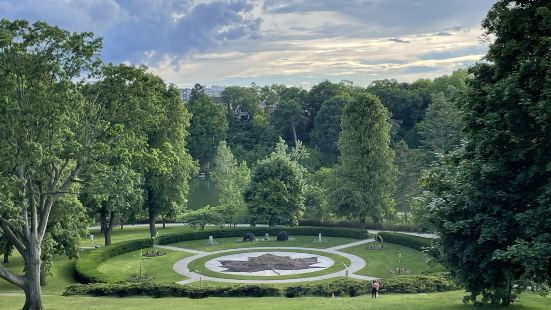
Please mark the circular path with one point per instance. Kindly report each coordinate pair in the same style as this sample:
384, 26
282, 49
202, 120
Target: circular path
356, 263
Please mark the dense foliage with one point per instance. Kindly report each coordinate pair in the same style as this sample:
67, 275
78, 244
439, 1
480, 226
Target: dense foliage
491, 199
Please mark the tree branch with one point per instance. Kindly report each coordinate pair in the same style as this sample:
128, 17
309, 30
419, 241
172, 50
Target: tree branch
12, 232
46, 213
11, 277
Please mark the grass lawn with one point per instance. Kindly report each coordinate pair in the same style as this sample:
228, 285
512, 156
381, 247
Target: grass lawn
137, 232
380, 263
294, 241
199, 265
436, 301
119, 268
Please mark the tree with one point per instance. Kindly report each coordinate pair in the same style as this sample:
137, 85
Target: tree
286, 117
6, 248
440, 129
114, 190
47, 137
167, 180
366, 171
231, 180
246, 99
492, 197
201, 217
197, 92
208, 127
276, 192
327, 126
409, 162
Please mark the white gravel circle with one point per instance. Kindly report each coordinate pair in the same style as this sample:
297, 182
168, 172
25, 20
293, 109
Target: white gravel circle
323, 263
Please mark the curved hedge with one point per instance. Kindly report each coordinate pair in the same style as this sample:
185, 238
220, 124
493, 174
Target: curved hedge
86, 268
341, 287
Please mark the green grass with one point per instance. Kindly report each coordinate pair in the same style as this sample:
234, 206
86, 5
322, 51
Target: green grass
61, 278
119, 268
138, 232
199, 266
380, 263
436, 301
294, 241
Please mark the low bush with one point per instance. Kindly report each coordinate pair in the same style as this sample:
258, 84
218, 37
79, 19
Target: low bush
414, 242
282, 236
169, 289
341, 287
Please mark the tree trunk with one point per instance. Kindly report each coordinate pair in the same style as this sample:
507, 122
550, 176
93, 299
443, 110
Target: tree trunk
6, 258
294, 132
122, 223
152, 213
108, 228
164, 223
42, 276
31, 286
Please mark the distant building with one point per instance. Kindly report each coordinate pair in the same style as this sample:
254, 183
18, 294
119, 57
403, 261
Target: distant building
213, 91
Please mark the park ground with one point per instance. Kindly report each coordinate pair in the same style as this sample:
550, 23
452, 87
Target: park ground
12, 298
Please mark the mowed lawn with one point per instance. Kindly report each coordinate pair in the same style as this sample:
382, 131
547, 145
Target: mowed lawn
120, 268
435, 301
294, 241
12, 297
381, 263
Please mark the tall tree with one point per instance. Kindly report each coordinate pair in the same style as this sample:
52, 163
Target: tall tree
366, 167
47, 136
167, 179
208, 127
232, 180
492, 198
440, 129
327, 126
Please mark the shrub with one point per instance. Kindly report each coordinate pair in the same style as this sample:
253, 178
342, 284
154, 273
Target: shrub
341, 287
414, 242
282, 236
249, 237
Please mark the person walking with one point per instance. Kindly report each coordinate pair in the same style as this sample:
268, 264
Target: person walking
374, 289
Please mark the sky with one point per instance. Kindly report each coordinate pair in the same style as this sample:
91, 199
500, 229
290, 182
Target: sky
292, 42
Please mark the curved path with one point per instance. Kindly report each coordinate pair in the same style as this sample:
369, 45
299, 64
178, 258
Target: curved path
356, 264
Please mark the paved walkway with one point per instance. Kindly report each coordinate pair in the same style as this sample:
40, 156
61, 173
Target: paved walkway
356, 264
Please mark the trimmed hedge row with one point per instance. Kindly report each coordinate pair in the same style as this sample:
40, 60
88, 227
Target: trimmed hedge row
351, 224
86, 266
342, 287
414, 242
260, 231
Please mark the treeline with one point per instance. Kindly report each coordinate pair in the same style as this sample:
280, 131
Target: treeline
359, 152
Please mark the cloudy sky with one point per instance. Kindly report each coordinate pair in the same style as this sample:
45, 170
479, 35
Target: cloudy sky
294, 42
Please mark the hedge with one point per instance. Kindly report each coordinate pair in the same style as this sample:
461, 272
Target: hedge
260, 231
341, 287
86, 266
414, 242
352, 224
